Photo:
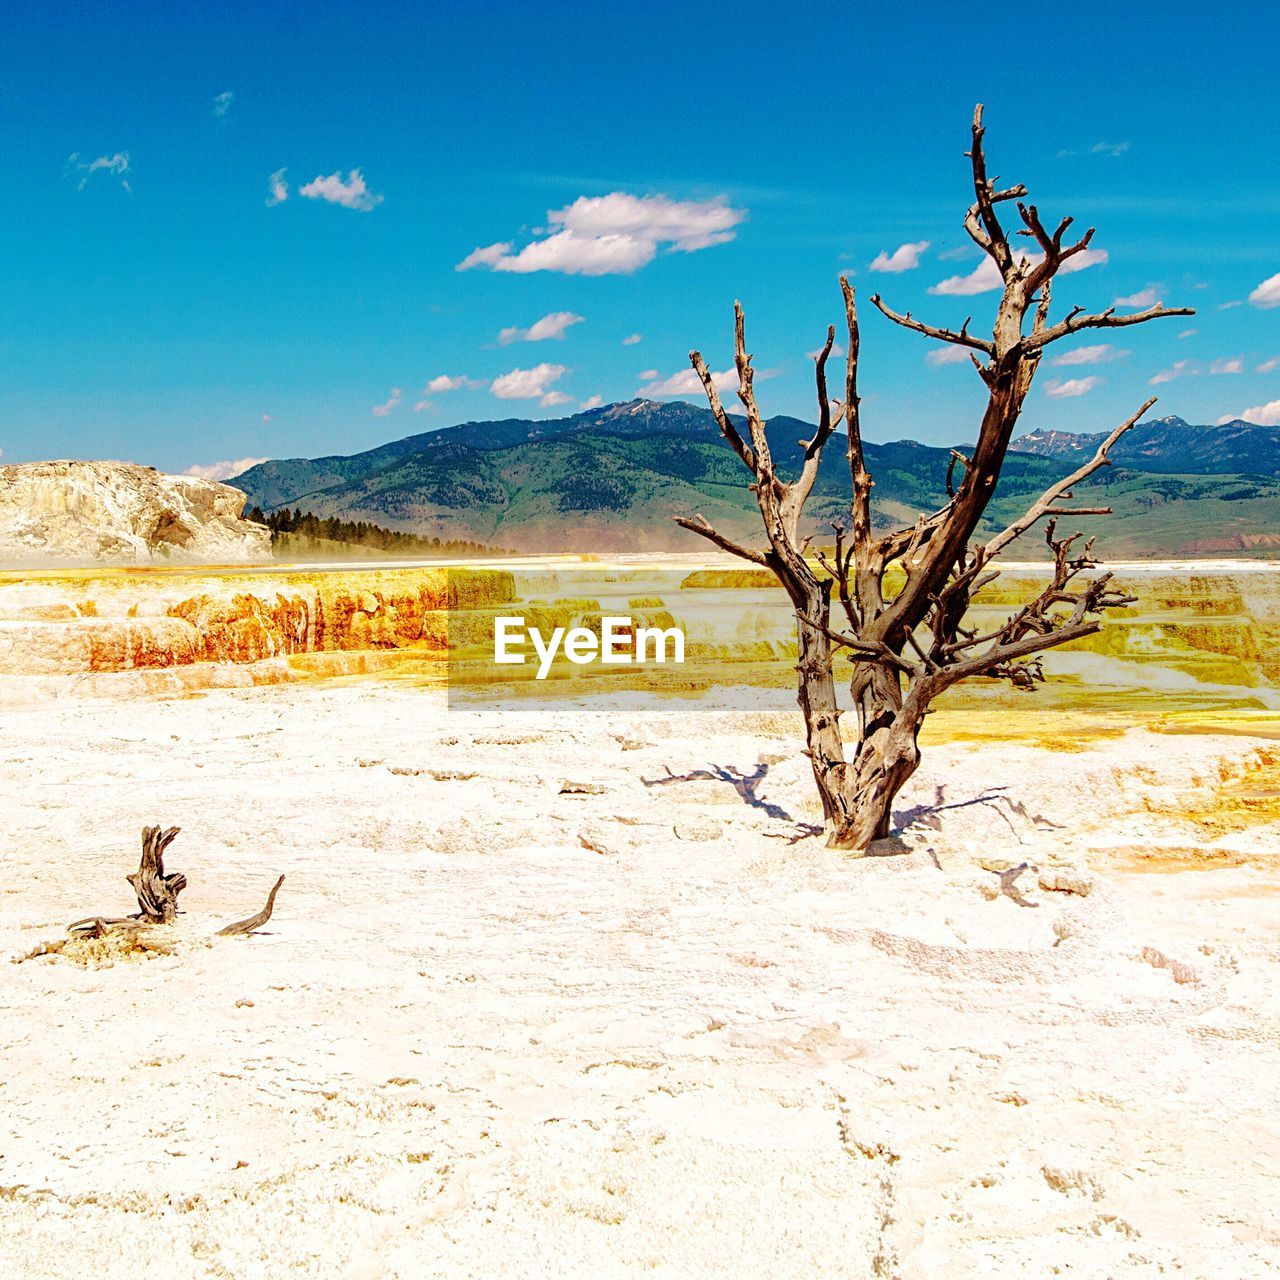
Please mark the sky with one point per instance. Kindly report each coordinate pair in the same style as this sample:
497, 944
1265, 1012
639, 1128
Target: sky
233, 231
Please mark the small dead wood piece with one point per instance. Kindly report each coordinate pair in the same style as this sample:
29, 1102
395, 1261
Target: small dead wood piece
157, 892
100, 926
253, 923
99, 941
571, 788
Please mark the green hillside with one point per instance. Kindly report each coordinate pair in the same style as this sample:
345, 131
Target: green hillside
612, 479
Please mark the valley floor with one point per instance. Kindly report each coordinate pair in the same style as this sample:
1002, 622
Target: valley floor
645, 1025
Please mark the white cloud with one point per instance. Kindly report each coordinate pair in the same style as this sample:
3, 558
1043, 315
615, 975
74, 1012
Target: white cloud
553, 398
947, 355
686, 383
986, 275
424, 406
550, 326
1263, 415
443, 382
1112, 149
631, 339
613, 235
527, 384
593, 402
982, 279
1188, 333
117, 164
906, 257
1228, 306
1178, 369
956, 251
223, 470
277, 188
489, 256
1267, 294
1269, 366
1071, 387
837, 351
392, 402
1102, 353
1143, 298
1234, 364
222, 103
351, 194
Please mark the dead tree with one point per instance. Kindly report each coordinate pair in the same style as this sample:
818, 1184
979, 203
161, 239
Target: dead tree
910, 645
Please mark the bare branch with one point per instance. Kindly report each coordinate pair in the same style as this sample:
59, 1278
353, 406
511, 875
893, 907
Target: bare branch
1042, 307
1045, 505
747, 394
981, 221
800, 490
1107, 319
727, 429
825, 422
696, 524
863, 650
862, 483
963, 338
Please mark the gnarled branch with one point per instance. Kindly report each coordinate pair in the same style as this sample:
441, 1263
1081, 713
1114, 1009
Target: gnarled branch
254, 922
698, 525
727, 429
958, 338
1045, 504
1077, 320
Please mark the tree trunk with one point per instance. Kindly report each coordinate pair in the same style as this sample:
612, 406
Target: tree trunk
858, 794
886, 756
157, 892
874, 783
817, 698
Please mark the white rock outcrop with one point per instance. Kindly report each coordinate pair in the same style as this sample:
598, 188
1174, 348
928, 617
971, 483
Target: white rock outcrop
86, 512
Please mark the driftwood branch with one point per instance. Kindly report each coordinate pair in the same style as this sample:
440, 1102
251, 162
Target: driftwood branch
257, 921
157, 892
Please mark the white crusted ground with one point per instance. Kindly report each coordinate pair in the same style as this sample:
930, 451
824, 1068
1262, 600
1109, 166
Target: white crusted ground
495, 1030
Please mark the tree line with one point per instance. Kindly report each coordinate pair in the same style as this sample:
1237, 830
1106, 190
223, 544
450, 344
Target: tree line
285, 525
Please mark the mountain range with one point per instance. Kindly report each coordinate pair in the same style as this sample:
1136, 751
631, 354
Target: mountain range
612, 478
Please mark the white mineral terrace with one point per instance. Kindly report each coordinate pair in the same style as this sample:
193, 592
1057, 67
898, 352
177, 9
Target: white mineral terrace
571, 986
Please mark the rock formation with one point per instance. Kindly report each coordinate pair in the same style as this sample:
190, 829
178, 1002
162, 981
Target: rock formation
117, 512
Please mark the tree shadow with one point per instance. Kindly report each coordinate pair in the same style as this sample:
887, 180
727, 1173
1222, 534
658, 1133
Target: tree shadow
745, 784
993, 798
803, 831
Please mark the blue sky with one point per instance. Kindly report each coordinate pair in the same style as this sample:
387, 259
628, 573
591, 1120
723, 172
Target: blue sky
159, 303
